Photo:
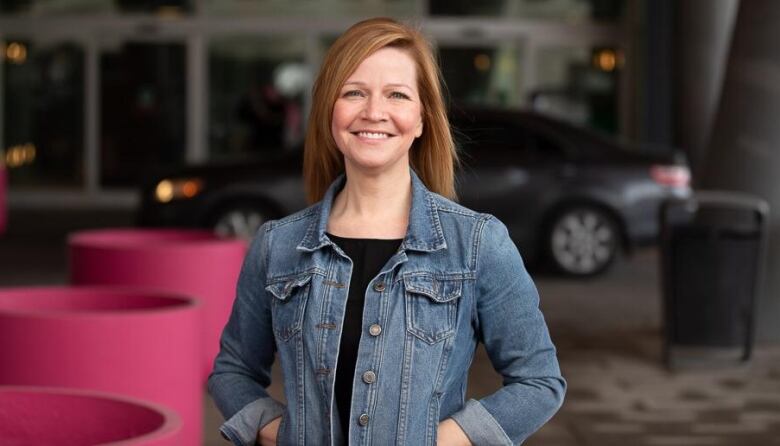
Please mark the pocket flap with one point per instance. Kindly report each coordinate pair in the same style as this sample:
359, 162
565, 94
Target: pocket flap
282, 288
435, 288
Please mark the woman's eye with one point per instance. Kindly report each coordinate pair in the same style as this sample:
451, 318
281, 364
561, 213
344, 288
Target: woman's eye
353, 93
399, 95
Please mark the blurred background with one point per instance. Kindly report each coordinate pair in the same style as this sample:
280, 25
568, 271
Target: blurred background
101, 99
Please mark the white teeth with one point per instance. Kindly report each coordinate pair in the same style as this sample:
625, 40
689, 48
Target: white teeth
371, 135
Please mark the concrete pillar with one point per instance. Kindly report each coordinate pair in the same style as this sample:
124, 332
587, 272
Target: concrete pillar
655, 76
744, 150
703, 29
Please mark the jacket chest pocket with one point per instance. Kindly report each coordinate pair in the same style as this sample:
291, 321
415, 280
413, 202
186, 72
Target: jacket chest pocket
289, 304
431, 306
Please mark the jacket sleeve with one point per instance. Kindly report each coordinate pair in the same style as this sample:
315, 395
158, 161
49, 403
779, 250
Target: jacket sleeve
242, 369
518, 343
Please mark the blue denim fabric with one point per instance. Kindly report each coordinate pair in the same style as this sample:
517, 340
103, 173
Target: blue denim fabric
457, 279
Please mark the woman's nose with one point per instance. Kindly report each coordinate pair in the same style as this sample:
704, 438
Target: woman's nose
375, 109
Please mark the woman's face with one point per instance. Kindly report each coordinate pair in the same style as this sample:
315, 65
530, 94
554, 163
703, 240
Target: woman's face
378, 113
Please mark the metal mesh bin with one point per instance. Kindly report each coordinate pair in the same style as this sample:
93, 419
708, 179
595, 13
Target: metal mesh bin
713, 247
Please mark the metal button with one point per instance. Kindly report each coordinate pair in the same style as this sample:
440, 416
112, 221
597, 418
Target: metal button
379, 287
375, 329
363, 420
369, 377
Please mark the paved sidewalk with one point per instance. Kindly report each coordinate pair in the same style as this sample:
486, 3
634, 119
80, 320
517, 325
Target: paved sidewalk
620, 395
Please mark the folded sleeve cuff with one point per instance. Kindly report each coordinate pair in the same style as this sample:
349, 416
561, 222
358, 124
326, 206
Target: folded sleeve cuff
242, 428
480, 426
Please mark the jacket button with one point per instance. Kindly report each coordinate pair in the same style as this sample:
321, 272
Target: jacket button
363, 420
375, 329
369, 377
379, 287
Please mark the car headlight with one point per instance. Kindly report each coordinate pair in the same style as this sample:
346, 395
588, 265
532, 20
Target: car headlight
171, 189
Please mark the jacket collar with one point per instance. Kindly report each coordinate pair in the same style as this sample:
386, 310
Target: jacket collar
423, 233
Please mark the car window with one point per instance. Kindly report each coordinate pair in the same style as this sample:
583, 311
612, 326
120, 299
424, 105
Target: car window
476, 135
542, 148
484, 140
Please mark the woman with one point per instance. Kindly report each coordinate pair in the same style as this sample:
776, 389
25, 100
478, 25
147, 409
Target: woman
375, 296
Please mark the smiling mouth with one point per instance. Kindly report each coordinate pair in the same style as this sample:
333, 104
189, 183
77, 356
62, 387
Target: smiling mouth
372, 135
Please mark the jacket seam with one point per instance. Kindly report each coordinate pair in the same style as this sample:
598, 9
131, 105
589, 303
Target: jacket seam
406, 371
459, 212
287, 276
468, 275
479, 230
305, 213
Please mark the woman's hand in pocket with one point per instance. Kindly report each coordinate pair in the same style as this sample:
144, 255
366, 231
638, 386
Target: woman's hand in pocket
450, 434
267, 435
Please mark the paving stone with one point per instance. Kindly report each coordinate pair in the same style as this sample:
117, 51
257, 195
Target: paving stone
682, 440
581, 393
669, 428
762, 405
669, 416
694, 395
729, 428
718, 415
619, 428
766, 417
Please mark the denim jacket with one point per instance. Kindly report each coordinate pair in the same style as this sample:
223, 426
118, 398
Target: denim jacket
456, 279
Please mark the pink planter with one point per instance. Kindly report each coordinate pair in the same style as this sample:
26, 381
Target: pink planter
106, 339
32, 416
191, 262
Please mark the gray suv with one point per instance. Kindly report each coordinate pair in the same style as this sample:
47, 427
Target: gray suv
571, 198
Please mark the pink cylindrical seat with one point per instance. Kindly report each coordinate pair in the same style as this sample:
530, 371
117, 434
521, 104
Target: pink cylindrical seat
33, 416
192, 262
114, 340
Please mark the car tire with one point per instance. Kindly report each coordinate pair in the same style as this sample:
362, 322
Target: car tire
582, 241
240, 220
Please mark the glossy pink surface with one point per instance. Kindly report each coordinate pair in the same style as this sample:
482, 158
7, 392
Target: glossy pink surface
3, 199
33, 416
191, 262
107, 339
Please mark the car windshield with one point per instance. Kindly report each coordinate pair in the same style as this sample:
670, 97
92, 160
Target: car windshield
585, 138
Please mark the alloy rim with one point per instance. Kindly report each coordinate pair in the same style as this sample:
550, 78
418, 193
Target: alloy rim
583, 242
239, 223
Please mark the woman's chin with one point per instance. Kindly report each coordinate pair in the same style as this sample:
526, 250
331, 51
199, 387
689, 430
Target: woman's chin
372, 165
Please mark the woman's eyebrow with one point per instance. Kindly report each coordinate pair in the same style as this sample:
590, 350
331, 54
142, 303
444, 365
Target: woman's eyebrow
400, 85
393, 85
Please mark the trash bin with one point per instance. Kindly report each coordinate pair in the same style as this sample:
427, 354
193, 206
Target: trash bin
713, 248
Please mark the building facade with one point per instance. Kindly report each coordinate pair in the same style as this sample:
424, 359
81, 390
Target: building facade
95, 95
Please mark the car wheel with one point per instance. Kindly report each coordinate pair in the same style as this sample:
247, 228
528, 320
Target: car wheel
582, 241
239, 220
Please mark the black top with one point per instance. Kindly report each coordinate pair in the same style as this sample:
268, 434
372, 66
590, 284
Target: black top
368, 257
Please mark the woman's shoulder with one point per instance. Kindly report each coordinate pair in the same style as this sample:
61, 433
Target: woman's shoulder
287, 230
457, 210
302, 217
482, 224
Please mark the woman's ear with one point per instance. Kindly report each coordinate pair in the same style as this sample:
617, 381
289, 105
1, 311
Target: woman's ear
418, 131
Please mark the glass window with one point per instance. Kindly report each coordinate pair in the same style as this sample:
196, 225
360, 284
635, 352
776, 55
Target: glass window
565, 10
487, 75
56, 7
43, 95
142, 110
579, 85
256, 97
312, 8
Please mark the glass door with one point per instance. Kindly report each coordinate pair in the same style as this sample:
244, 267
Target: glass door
483, 72
142, 111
